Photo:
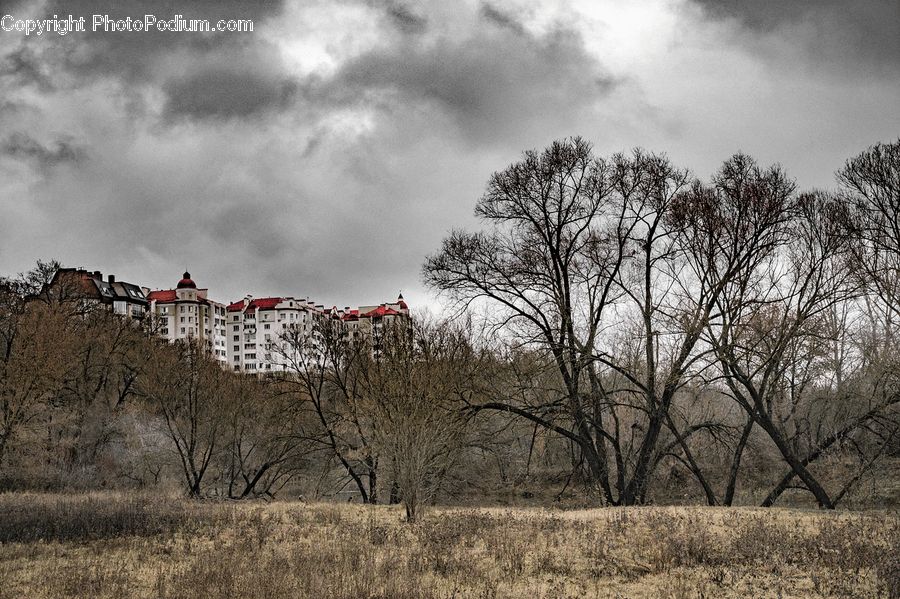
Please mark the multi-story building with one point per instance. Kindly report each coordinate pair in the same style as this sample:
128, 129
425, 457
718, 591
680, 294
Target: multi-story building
186, 312
370, 321
256, 328
247, 336
90, 290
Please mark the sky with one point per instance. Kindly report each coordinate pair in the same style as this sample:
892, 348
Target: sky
328, 151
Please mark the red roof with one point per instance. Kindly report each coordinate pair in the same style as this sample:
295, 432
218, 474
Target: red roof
263, 303
381, 311
168, 296
186, 282
162, 296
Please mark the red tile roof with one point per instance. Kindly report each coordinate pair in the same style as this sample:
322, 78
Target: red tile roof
163, 296
381, 310
262, 303
168, 296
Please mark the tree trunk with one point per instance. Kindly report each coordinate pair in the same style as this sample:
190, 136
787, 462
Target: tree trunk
736, 463
797, 467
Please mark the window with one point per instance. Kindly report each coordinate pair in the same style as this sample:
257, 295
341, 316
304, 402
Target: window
237, 326
182, 330
268, 326
237, 338
237, 348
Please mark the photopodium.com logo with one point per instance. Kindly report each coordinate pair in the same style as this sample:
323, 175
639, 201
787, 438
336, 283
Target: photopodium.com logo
107, 24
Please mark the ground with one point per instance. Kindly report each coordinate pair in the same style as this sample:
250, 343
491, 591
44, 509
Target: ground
125, 545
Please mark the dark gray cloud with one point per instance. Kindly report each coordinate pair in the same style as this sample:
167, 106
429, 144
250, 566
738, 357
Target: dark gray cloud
234, 82
403, 17
202, 75
494, 82
835, 33
24, 147
24, 66
330, 150
135, 56
501, 18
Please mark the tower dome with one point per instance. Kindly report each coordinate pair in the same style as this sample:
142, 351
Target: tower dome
186, 282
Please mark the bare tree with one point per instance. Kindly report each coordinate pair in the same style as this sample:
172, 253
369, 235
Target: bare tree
871, 184
186, 389
417, 389
34, 369
587, 259
322, 366
772, 342
264, 452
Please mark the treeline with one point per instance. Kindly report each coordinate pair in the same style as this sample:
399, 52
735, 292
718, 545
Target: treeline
622, 332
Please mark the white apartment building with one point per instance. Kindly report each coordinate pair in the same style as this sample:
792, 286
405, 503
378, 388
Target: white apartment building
186, 312
245, 336
255, 328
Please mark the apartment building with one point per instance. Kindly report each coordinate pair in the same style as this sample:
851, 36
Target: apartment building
90, 290
245, 336
371, 320
256, 328
186, 312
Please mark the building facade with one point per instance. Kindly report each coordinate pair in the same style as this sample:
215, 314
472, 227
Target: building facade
186, 312
257, 329
91, 291
245, 336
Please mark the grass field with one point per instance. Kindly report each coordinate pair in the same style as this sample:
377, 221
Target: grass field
119, 546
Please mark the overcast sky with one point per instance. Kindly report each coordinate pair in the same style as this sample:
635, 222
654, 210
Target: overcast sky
328, 151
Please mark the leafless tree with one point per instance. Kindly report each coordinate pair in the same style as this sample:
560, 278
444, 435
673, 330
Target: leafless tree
263, 452
586, 259
417, 389
186, 388
871, 184
322, 366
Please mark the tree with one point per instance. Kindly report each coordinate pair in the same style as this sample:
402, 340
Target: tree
322, 365
186, 389
575, 244
37, 344
871, 185
772, 342
33, 371
263, 451
416, 390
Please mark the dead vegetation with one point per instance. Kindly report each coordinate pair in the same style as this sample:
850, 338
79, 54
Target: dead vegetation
115, 545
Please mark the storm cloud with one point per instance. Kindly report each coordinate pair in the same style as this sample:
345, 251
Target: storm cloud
22, 146
328, 151
834, 33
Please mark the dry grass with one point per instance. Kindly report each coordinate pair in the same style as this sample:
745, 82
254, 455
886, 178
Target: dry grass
121, 546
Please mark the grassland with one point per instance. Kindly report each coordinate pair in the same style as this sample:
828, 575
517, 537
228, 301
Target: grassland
119, 546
